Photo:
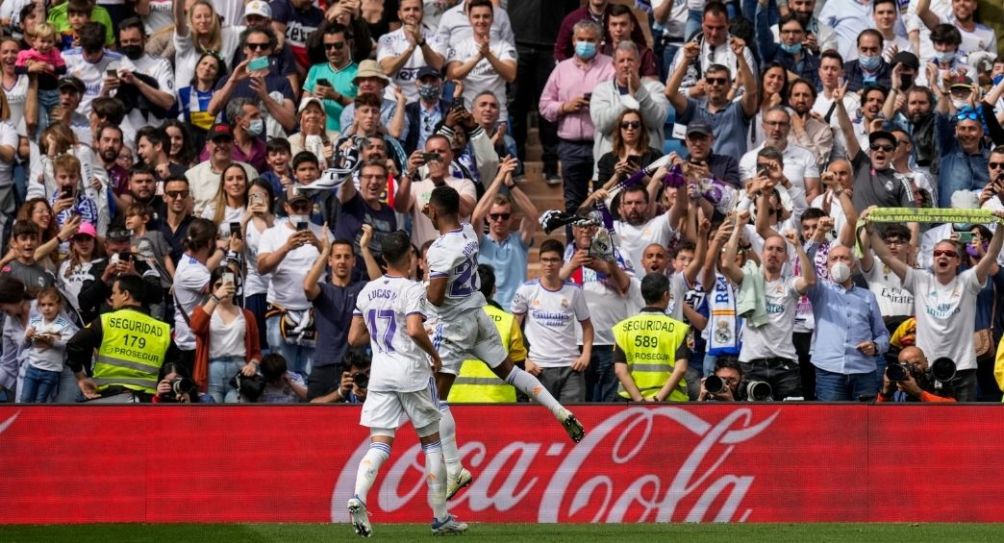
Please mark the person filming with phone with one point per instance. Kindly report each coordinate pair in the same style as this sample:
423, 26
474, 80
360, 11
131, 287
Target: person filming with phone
95, 293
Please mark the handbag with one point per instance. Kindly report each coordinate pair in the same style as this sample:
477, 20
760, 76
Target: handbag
983, 340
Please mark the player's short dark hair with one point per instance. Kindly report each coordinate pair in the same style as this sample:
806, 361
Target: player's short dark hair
813, 213
486, 274
446, 200
728, 362
131, 283
304, 156
552, 246
395, 247
654, 286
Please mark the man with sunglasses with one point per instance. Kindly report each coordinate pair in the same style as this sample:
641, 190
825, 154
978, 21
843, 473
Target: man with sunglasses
204, 177
963, 164
363, 206
333, 81
177, 216
992, 197
945, 302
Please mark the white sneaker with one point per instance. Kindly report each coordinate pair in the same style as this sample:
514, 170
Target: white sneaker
450, 525
463, 479
359, 517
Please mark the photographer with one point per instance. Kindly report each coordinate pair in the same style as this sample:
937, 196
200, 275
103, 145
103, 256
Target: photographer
911, 389
281, 385
354, 381
176, 386
729, 375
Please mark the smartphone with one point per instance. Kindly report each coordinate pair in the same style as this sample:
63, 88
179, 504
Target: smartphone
256, 198
762, 170
67, 193
430, 156
112, 72
457, 103
324, 82
301, 226
258, 64
125, 256
228, 277
235, 228
634, 160
965, 237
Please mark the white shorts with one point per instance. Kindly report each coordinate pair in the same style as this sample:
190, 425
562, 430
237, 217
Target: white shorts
392, 409
473, 337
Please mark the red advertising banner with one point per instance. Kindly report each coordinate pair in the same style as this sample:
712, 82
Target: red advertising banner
693, 463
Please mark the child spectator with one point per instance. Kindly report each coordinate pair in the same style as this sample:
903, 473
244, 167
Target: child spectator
69, 199
44, 62
24, 268
69, 17
278, 154
281, 385
150, 245
47, 334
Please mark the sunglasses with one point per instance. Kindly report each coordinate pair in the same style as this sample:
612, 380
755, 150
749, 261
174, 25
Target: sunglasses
336, 46
499, 216
996, 165
949, 254
81, 239
883, 148
258, 46
634, 125
716, 80
175, 194
970, 115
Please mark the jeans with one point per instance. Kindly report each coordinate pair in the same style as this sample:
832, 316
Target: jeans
781, 374
221, 371
69, 391
576, 171
807, 372
964, 385
601, 381
565, 385
298, 357
39, 385
838, 387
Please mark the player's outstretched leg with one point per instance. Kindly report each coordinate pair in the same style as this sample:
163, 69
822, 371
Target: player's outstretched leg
457, 475
531, 386
369, 466
435, 476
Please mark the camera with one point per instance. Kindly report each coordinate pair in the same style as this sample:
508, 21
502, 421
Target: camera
182, 385
714, 384
361, 379
250, 388
943, 369
759, 391
898, 372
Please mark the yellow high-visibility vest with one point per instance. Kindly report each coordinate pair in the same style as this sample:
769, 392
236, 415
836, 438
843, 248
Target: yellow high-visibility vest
476, 383
650, 341
133, 347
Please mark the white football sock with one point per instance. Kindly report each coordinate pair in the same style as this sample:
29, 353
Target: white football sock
435, 477
369, 466
448, 438
531, 386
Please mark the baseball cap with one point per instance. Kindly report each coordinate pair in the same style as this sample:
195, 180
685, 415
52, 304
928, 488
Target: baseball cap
118, 234
370, 68
307, 100
87, 229
428, 71
71, 81
882, 135
961, 81
221, 130
699, 127
259, 8
907, 59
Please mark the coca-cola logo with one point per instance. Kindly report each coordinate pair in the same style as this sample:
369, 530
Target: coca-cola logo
10, 420
597, 480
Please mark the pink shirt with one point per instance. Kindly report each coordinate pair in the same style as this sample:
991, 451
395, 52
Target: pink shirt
53, 58
570, 79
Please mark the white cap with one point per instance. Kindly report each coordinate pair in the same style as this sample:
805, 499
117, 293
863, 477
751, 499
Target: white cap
259, 8
307, 100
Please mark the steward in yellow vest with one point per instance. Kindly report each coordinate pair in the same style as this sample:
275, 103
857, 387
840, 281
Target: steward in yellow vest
476, 383
131, 346
650, 351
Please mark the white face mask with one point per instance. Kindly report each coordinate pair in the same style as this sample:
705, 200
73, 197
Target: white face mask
959, 103
294, 219
840, 272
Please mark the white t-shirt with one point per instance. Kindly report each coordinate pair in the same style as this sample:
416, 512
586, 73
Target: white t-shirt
8, 137
285, 289
946, 315
230, 214
852, 103
160, 17
773, 339
227, 339
186, 56
159, 69
17, 95
799, 163
394, 44
93, 74
421, 227
399, 365
455, 256
254, 282
51, 358
634, 239
483, 77
607, 306
550, 321
190, 280
205, 183
893, 299
677, 296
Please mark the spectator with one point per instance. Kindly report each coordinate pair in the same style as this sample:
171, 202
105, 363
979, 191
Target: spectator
869, 68
45, 65
486, 110
369, 79
964, 155
651, 354
946, 54
248, 122
23, 266
910, 390
254, 223
566, 101
177, 215
945, 303
193, 99
91, 64
597, 11
806, 130
456, 25
730, 374
502, 248
157, 88
109, 144
366, 123
198, 30
281, 385
313, 136
788, 52
364, 207
918, 181
295, 21
548, 309
85, 252
773, 92
67, 200
180, 150
69, 18
627, 91
631, 150
258, 14
620, 23
332, 81
16, 87
895, 302
800, 166
848, 18
47, 333
149, 246
426, 113
95, 294
831, 77
885, 15
333, 302
18, 307
730, 118
152, 146
713, 45
231, 201
481, 61
699, 141
204, 177
324, 208
404, 53
226, 342
974, 36
142, 189
266, 86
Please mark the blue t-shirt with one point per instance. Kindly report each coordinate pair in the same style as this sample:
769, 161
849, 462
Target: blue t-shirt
334, 306
509, 258
356, 213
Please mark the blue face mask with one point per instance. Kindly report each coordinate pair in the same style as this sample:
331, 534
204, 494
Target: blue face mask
585, 50
945, 57
870, 63
792, 49
998, 78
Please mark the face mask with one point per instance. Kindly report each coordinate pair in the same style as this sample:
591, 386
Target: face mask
295, 219
428, 92
959, 103
792, 49
256, 127
906, 81
945, 57
585, 50
134, 52
840, 272
998, 78
869, 63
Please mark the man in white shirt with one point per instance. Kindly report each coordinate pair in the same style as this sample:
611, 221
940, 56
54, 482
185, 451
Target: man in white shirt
403, 52
831, 75
482, 61
975, 36
204, 177
799, 164
287, 251
91, 63
945, 302
455, 27
132, 40
714, 41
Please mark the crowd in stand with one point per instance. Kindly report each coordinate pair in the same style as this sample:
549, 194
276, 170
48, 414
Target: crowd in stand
733, 178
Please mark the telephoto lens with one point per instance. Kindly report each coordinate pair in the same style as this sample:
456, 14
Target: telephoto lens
714, 384
759, 391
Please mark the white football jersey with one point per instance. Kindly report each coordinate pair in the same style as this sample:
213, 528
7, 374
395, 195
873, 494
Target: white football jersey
455, 256
399, 365
551, 316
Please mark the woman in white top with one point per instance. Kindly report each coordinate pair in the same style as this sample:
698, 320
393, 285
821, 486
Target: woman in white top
200, 32
16, 88
312, 135
256, 221
231, 199
75, 270
774, 92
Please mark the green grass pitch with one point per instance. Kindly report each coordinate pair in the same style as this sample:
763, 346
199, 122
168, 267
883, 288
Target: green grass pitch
508, 533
